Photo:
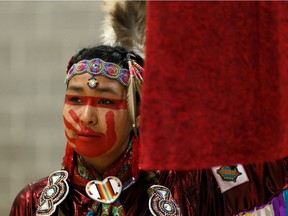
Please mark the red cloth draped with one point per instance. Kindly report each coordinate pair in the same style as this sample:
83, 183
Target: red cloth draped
216, 84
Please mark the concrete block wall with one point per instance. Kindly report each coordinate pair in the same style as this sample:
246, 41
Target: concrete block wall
36, 41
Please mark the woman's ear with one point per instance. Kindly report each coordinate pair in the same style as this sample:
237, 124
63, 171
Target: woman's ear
138, 121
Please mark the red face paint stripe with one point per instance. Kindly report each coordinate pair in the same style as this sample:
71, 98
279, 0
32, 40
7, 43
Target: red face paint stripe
96, 102
69, 125
83, 129
110, 126
76, 119
72, 140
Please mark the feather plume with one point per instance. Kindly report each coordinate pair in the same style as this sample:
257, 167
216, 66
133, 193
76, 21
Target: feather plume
131, 99
138, 85
124, 24
134, 88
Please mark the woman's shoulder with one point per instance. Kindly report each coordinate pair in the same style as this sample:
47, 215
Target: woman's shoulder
26, 201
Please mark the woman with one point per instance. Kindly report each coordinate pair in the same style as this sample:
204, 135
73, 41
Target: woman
100, 174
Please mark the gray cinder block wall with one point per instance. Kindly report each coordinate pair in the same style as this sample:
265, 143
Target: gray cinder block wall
36, 41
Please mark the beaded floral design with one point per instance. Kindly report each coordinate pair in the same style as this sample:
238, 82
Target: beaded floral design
54, 193
97, 66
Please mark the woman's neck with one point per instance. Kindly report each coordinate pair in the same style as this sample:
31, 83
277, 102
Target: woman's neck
102, 163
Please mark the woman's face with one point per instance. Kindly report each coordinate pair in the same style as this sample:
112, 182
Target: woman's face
96, 120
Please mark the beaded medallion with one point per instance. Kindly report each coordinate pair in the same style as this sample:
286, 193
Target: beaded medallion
54, 193
161, 202
106, 191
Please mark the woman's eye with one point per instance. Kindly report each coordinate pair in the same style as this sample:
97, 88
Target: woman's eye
76, 100
106, 102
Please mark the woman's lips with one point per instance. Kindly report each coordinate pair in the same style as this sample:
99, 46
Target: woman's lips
90, 137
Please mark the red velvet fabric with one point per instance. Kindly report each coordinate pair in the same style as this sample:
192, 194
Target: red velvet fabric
216, 84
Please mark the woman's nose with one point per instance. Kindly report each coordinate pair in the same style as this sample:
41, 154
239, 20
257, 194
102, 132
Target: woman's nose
89, 116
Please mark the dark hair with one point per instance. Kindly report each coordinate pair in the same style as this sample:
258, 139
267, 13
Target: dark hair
117, 55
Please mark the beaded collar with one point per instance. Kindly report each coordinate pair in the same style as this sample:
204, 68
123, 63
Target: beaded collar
121, 168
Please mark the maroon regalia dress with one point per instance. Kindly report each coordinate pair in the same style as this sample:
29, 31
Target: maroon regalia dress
196, 192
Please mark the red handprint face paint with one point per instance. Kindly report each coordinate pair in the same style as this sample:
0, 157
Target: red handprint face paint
88, 142
96, 120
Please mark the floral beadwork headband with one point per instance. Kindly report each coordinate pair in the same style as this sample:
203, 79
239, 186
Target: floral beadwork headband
97, 66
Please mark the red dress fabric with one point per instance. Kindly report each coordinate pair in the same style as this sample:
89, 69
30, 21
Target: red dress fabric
196, 192
216, 84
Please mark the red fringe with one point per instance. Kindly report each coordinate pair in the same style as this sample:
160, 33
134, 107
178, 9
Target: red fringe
68, 159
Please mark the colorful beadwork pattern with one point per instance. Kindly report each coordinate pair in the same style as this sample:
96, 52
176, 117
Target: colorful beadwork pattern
161, 202
229, 177
117, 209
97, 66
229, 173
86, 171
54, 193
106, 191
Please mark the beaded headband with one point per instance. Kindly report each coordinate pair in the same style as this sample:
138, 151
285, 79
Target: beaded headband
97, 66
132, 78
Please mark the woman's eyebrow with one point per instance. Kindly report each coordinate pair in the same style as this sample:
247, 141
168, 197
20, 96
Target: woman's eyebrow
75, 88
98, 89
107, 90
